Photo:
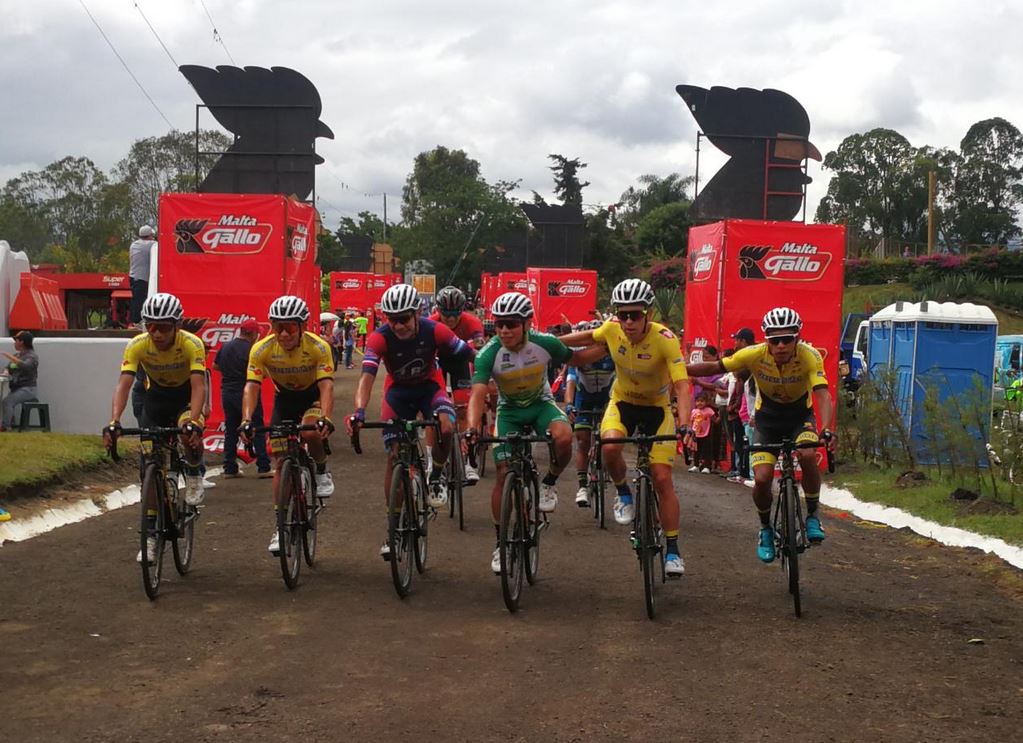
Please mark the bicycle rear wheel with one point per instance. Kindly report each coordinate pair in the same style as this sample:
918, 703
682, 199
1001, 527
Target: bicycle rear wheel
311, 505
184, 537
422, 513
790, 547
511, 541
647, 545
152, 492
400, 530
289, 527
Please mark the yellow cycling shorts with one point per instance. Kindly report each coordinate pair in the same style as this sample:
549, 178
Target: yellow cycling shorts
800, 425
652, 420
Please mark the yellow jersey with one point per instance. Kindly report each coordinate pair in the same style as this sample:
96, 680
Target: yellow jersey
786, 386
171, 368
297, 369
644, 371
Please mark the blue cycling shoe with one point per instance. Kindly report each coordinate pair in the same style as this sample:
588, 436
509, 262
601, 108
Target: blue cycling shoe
814, 530
765, 547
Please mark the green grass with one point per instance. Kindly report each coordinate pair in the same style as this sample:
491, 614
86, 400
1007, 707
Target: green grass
36, 458
930, 501
874, 297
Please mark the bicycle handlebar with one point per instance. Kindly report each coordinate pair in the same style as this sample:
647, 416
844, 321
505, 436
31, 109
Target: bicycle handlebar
780, 448
357, 445
513, 437
601, 441
154, 432
285, 429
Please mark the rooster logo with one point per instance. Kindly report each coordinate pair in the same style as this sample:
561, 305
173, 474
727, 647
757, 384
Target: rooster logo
749, 261
766, 135
274, 115
185, 232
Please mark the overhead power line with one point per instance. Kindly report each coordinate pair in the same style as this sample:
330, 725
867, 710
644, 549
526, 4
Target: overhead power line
165, 49
123, 63
216, 34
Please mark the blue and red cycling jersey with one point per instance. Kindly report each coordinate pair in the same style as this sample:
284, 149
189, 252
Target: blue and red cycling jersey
413, 361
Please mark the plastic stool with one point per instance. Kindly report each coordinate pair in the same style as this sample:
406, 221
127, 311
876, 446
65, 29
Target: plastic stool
26, 416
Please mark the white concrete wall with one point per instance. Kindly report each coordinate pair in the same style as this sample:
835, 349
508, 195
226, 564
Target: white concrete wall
77, 378
12, 264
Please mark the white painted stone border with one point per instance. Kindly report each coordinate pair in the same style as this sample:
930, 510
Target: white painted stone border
897, 518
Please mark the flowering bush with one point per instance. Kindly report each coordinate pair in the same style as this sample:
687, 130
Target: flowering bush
669, 274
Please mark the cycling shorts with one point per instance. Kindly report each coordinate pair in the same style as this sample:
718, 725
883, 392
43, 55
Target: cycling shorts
584, 400
651, 420
406, 401
166, 407
293, 406
772, 425
510, 419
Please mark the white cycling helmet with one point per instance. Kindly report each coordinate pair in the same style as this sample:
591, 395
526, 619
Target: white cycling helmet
162, 307
400, 298
512, 304
633, 291
289, 308
781, 318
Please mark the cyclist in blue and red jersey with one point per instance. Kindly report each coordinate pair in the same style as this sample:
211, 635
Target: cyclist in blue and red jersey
408, 346
451, 312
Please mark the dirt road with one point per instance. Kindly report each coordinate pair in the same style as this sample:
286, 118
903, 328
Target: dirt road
883, 651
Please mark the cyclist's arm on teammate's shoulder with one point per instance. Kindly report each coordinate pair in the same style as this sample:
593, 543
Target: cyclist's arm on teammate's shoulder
588, 355
580, 338
705, 368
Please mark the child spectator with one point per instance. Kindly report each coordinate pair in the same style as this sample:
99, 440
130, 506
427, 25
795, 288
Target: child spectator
701, 419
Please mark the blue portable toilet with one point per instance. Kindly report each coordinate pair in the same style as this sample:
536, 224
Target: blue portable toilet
947, 345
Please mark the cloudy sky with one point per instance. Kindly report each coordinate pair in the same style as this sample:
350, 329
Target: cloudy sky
507, 82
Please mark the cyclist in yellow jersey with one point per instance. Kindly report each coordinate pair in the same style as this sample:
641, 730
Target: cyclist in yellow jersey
790, 377
649, 371
301, 366
175, 365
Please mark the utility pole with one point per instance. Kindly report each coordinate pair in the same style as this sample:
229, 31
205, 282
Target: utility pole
932, 222
385, 217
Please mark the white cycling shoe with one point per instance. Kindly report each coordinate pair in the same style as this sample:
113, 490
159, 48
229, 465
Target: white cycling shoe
582, 497
195, 491
548, 498
274, 548
324, 485
624, 512
438, 493
673, 566
471, 475
150, 552
495, 561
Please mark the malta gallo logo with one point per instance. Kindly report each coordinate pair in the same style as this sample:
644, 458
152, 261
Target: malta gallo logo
299, 242
701, 263
570, 288
790, 262
348, 284
228, 235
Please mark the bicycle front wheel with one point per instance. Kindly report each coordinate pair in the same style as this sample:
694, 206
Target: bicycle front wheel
511, 541
456, 479
184, 538
422, 513
790, 547
597, 483
401, 530
152, 492
531, 512
289, 526
310, 506
647, 542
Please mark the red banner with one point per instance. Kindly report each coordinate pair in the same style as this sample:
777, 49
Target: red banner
359, 291
562, 295
740, 269
227, 257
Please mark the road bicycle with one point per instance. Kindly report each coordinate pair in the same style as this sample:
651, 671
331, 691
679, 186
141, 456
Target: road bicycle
298, 506
521, 522
454, 471
409, 511
788, 523
647, 535
164, 514
596, 476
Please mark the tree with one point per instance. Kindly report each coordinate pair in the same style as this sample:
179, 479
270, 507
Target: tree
567, 186
156, 165
665, 229
329, 252
872, 189
988, 191
449, 210
368, 224
636, 203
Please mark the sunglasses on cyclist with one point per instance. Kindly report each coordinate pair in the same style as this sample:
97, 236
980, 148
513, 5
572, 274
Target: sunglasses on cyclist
286, 327
159, 327
777, 340
451, 313
403, 319
505, 324
631, 315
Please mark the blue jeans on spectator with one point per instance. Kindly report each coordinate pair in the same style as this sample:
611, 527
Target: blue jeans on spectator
349, 347
232, 404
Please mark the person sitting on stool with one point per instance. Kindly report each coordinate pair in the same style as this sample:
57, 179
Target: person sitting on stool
23, 367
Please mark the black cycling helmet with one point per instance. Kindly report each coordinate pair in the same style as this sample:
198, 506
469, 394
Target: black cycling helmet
450, 299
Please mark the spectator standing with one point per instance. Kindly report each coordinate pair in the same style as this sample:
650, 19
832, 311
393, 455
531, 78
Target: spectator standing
23, 368
361, 325
139, 255
233, 363
349, 341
